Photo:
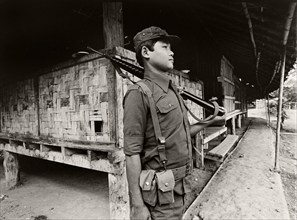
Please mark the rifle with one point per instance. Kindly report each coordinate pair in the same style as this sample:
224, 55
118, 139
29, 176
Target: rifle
137, 71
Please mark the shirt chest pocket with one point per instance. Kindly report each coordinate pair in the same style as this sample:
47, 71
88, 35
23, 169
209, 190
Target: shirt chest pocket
165, 105
169, 113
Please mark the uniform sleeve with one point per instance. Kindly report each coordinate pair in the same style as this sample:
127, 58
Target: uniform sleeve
135, 112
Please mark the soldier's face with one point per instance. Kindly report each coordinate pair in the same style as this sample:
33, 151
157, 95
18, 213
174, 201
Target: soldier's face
162, 56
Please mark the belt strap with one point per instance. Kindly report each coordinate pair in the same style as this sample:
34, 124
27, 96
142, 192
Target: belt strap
158, 134
181, 172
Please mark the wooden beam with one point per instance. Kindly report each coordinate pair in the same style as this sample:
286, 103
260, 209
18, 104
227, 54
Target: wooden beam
84, 145
113, 36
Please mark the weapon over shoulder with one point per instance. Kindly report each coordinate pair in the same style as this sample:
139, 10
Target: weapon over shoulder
138, 72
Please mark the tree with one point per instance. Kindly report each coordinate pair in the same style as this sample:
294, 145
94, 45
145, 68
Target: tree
289, 95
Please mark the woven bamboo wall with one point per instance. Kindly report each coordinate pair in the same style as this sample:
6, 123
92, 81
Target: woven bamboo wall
18, 108
74, 102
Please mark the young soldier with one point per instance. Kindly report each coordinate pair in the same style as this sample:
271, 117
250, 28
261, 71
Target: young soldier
157, 134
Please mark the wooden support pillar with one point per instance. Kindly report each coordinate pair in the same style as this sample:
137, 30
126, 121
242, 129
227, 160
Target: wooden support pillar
233, 130
199, 151
114, 36
11, 169
238, 121
119, 207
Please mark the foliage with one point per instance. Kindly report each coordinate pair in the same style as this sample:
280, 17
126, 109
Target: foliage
289, 94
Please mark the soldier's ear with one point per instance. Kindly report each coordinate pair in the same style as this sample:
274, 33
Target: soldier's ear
145, 52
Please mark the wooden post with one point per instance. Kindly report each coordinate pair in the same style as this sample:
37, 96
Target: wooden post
114, 36
11, 169
238, 124
199, 156
233, 130
118, 195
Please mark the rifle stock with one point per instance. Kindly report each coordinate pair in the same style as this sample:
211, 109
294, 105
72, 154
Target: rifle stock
138, 72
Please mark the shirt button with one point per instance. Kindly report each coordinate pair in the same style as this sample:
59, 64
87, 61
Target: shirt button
169, 105
147, 183
166, 184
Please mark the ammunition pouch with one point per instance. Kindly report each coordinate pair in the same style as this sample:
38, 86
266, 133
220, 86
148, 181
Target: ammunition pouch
148, 187
160, 186
166, 183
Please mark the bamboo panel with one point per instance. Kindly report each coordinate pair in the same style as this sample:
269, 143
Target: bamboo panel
18, 108
74, 102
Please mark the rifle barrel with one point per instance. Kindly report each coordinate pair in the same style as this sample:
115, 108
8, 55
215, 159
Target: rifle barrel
207, 105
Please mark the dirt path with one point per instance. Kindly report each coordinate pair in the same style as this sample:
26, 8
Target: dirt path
55, 191
246, 186
288, 157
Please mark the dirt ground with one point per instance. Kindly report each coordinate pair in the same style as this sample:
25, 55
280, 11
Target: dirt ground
55, 191
288, 161
288, 156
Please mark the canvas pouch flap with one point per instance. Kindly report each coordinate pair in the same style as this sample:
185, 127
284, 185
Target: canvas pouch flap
148, 187
146, 179
166, 183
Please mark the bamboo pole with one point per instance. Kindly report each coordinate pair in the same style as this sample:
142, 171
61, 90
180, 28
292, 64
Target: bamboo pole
281, 88
279, 111
268, 111
276, 70
289, 22
247, 15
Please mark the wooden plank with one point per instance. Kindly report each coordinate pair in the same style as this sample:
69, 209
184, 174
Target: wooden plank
85, 145
229, 97
233, 114
213, 132
222, 149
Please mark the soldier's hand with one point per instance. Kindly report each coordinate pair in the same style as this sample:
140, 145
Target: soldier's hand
140, 213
